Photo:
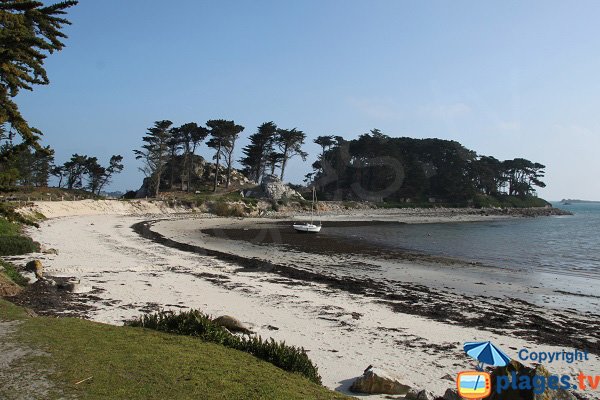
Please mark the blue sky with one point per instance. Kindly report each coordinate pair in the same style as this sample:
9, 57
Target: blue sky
504, 78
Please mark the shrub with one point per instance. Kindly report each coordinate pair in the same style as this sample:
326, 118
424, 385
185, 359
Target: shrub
484, 201
13, 274
195, 323
17, 245
223, 209
130, 194
250, 201
8, 212
8, 228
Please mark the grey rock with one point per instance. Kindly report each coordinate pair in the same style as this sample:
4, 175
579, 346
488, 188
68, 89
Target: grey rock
451, 394
419, 394
231, 324
274, 189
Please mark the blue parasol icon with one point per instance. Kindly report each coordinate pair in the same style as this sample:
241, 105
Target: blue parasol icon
486, 353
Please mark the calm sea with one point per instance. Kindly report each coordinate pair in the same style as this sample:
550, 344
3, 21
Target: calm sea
568, 245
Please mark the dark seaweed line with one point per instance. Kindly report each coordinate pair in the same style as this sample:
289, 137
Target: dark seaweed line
420, 300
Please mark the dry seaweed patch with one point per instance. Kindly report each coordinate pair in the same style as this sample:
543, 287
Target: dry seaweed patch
135, 363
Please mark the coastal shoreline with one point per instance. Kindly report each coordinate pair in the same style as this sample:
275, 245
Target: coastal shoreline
343, 331
476, 308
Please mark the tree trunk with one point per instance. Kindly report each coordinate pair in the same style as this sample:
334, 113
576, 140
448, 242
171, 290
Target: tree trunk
191, 166
172, 177
158, 174
185, 161
283, 162
229, 162
217, 167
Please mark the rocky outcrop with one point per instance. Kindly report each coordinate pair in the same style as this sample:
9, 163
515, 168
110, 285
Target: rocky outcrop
232, 324
273, 188
378, 381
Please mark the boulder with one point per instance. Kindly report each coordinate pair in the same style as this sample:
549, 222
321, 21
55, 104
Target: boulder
274, 189
419, 394
378, 381
51, 251
232, 324
451, 394
36, 267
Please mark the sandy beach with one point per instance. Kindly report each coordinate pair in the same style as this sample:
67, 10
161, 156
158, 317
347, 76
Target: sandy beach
343, 326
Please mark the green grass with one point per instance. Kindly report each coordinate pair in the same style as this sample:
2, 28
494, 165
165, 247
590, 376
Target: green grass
195, 323
8, 228
11, 272
11, 240
11, 312
136, 363
17, 245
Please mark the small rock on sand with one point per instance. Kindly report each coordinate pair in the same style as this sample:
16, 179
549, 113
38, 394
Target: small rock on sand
36, 267
232, 324
378, 381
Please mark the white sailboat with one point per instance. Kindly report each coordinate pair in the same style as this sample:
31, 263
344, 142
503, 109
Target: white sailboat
310, 227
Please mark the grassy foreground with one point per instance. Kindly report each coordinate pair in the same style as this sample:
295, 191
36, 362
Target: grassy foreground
136, 363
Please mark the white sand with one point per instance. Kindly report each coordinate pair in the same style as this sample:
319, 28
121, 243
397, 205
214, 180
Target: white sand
102, 251
53, 209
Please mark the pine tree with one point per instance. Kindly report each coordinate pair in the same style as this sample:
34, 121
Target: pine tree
257, 152
190, 136
99, 176
290, 142
29, 32
224, 135
155, 153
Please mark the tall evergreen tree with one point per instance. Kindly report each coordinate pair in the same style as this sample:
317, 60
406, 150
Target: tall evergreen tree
223, 137
257, 152
99, 176
74, 171
33, 166
29, 32
174, 143
290, 143
197, 136
189, 136
155, 152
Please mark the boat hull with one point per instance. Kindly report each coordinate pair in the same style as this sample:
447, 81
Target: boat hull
308, 228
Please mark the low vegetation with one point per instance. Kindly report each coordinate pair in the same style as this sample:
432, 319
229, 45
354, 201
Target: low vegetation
194, 323
11, 240
17, 245
12, 273
133, 363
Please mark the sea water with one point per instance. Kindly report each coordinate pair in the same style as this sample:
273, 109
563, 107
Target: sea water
565, 245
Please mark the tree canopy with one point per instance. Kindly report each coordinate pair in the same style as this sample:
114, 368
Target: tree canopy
30, 32
378, 167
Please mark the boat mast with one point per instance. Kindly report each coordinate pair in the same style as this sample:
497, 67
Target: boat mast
312, 207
